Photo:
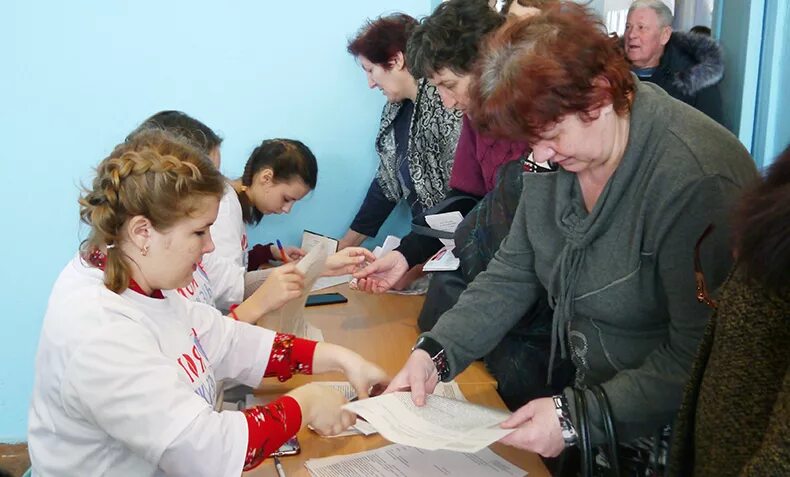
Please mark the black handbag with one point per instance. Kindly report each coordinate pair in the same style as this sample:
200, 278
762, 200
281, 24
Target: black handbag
586, 467
462, 203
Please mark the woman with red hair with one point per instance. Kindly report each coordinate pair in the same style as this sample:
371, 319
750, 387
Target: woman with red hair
417, 135
609, 238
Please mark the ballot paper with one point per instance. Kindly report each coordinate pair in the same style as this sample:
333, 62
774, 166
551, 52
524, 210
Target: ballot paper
290, 318
442, 423
449, 390
446, 222
403, 461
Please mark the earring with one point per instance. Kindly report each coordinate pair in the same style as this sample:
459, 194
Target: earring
144, 251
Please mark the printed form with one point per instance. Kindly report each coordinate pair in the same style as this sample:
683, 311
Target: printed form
403, 461
442, 423
449, 390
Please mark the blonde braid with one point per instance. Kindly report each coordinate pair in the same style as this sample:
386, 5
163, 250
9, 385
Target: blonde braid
154, 175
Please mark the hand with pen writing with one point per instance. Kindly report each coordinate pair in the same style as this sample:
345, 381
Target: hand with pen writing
291, 253
419, 375
347, 261
382, 274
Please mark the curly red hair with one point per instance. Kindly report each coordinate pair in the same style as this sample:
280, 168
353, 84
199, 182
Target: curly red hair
381, 39
535, 70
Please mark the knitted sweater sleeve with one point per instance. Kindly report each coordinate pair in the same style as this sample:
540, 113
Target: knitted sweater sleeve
494, 302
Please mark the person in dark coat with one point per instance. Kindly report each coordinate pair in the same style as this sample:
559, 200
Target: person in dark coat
687, 66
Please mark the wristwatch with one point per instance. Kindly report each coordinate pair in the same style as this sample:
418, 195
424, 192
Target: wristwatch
437, 354
569, 434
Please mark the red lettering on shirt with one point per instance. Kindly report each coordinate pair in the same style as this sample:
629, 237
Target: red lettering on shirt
191, 379
197, 356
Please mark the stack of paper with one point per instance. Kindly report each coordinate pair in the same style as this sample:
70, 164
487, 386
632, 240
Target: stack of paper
441, 423
403, 461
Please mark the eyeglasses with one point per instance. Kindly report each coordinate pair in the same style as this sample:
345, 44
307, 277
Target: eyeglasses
531, 166
702, 289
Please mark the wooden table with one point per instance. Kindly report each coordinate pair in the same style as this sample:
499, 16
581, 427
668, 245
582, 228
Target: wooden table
382, 328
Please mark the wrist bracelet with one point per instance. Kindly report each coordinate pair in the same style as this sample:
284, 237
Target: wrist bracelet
569, 434
437, 354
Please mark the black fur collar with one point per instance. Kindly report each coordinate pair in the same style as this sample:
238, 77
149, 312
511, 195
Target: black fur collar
706, 66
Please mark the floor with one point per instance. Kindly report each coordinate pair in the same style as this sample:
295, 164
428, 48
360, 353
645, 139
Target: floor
14, 459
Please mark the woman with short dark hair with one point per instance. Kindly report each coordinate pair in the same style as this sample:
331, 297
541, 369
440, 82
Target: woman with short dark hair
417, 134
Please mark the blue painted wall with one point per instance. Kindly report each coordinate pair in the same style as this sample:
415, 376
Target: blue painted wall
738, 26
771, 127
78, 76
755, 38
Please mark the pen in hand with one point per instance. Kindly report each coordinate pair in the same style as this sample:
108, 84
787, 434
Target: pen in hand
283, 255
279, 467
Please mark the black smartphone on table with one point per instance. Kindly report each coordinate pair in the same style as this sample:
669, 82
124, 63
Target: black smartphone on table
325, 299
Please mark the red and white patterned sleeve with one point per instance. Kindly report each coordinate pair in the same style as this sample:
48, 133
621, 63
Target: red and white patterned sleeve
290, 355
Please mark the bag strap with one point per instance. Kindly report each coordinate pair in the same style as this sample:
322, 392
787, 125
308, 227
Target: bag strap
437, 209
699, 276
429, 232
608, 424
585, 447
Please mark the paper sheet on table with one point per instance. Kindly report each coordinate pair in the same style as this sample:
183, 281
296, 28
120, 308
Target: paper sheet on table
441, 423
290, 318
446, 222
403, 461
327, 282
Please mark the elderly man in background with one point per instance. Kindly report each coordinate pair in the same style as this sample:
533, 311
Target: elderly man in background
688, 67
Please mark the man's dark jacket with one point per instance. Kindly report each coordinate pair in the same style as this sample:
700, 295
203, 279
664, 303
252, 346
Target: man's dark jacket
690, 70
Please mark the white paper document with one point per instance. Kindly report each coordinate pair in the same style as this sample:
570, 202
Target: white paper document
290, 318
327, 282
448, 390
441, 423
311, 240
403, 461
446, 222
442, 261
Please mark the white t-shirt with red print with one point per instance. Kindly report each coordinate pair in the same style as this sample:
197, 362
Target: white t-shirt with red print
199, 290
227, 264
124, 381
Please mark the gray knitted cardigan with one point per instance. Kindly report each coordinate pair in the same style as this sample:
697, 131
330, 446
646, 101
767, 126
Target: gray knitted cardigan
620, 278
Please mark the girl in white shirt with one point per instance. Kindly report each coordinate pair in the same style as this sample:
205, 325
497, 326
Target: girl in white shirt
219, 279
126, 377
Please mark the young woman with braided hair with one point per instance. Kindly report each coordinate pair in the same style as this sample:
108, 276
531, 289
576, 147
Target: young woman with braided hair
125, 377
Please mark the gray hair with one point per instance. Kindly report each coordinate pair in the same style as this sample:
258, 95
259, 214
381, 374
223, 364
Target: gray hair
661, 9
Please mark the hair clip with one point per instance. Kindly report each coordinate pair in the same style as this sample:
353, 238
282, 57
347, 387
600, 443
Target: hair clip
110, 245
